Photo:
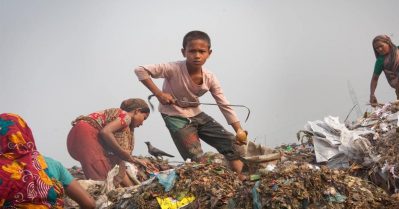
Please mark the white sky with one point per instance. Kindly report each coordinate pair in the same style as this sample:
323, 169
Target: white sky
289, 61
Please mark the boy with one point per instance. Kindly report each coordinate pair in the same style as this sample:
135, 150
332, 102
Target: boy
184, 82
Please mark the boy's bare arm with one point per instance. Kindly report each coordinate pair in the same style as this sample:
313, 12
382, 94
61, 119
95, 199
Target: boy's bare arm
236, 126
163, 98
151, 86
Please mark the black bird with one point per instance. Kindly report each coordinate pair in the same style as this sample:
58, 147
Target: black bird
156, 152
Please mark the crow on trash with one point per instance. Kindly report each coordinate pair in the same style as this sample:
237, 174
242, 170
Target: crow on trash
157, 153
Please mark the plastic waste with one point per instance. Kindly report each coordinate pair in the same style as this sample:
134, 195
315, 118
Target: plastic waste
167, 179
170, 203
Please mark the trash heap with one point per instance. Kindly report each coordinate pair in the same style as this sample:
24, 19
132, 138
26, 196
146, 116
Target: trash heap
287, 184
205, 185
367, 148
334, 165
302, 185
77, 172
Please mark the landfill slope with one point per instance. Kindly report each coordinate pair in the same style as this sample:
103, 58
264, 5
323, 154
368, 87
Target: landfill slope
333, 165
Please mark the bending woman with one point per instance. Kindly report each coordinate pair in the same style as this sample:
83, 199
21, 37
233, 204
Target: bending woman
388, 61
103, 139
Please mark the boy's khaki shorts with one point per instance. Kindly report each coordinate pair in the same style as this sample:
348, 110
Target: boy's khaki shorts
186, 133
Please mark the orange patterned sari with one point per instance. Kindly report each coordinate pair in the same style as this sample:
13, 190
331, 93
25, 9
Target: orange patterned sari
24, 182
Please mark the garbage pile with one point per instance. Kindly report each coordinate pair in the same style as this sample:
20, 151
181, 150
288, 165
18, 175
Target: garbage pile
286, 184
77, 172
205, 185
303, 185
333, 165
367, 147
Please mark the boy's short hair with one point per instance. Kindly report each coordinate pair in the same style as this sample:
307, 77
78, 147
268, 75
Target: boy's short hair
194, 35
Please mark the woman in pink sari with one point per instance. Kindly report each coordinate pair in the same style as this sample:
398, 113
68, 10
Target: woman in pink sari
103, 139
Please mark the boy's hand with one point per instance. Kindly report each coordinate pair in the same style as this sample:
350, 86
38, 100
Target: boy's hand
165, 98
241, 136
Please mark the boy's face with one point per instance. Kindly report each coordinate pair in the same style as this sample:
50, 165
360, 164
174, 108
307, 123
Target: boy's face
196, 53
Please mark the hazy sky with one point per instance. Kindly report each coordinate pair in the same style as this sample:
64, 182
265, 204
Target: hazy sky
289, 61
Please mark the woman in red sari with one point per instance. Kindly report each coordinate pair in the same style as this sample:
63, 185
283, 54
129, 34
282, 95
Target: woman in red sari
24, 182
103, 139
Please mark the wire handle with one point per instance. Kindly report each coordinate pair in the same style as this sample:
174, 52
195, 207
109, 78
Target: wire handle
204, 103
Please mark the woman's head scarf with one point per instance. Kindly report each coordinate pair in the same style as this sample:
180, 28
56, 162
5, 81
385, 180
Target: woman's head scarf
390, 60
24, 182
133, 104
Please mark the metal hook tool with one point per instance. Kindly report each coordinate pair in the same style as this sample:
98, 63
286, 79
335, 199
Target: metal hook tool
204, 103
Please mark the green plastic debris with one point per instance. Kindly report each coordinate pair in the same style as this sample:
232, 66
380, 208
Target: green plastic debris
254, 177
